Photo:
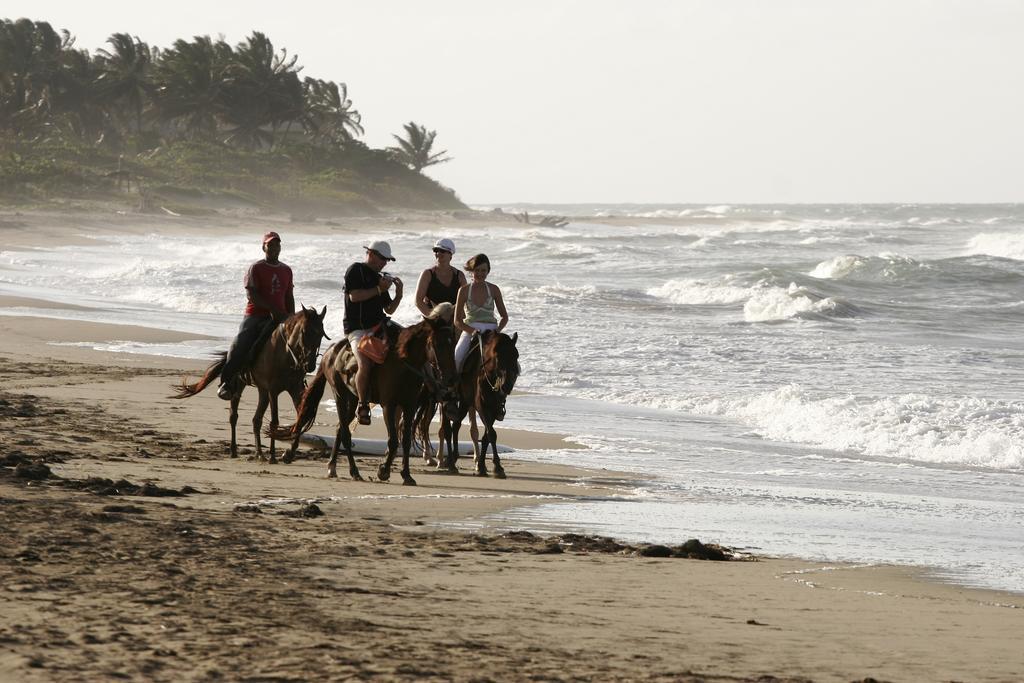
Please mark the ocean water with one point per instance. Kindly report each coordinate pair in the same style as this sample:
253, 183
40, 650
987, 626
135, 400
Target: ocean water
841, 383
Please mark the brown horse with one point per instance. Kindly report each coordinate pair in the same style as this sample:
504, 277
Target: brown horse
280, 365
488, 377
417, 355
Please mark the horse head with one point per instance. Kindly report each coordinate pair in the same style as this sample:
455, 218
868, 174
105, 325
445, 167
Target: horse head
500, 368
305, 336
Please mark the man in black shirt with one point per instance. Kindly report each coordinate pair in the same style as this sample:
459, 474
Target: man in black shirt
367, 305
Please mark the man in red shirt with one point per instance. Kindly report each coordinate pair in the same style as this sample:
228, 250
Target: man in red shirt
268, 284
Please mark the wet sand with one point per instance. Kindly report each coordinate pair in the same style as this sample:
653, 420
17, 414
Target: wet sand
239, 579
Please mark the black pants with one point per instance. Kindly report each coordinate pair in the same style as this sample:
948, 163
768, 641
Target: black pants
252, 329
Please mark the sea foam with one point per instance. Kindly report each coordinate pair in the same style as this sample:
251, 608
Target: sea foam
952, 430
688, 291
776, 303
997, 244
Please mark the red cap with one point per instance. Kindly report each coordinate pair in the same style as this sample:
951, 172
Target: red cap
270, 236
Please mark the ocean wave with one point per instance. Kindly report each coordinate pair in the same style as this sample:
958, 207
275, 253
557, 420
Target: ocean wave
953, 430
777, 303
699, 292
320, 283
885, 266
1003, 245
555, 292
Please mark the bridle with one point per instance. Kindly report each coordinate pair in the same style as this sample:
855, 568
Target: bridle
496, 381
302, 358
431, 373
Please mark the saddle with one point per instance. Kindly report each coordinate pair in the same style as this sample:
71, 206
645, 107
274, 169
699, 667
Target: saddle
347, 358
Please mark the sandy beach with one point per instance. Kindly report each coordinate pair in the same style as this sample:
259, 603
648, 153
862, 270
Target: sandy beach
199, 567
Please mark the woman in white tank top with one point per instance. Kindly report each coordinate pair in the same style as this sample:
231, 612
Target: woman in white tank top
475, 306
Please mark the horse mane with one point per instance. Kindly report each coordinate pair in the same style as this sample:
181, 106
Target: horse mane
490, 349
297, 318
491, 342
412, 334
443, 311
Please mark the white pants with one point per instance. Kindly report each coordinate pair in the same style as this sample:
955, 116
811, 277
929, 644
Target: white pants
462, 348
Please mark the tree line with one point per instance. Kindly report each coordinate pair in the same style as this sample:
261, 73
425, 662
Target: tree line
130, 96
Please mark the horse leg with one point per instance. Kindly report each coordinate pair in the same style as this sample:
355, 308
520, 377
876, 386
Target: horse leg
390, 421
444, 450
233, 421
499, 471
407, 428
453, 430
273, 425
332, 464
296, 394
481, 457
257, 421
474, 433
346, 404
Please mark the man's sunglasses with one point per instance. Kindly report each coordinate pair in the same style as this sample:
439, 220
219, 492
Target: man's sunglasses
441, 251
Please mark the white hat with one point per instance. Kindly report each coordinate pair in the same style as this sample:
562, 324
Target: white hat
382, 248
446, 244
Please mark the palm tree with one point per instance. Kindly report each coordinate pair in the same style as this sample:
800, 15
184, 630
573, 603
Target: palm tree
125, 74
191, 80
76, 107
328, 113
415, 149
30, 62
264, 91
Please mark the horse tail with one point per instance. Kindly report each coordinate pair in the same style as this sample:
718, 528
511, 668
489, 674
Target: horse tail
425, 409
185, 390
307, 409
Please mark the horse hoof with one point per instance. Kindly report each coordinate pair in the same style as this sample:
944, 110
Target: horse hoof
383, 474
288, 459
481, 473
408, 481
499, 473
432, 462
331, 474
272, 461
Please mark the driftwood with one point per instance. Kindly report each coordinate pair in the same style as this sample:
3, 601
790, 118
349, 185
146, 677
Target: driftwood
545, 221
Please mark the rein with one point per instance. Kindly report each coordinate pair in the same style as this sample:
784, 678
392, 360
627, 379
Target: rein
297, 364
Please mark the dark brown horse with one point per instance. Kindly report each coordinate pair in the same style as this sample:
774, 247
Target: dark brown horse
280, 365
418, 355
488, 377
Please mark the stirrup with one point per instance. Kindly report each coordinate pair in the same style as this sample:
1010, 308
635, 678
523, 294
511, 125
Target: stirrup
363, 413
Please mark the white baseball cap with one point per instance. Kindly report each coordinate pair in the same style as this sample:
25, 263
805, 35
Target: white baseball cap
446, 244
382, 248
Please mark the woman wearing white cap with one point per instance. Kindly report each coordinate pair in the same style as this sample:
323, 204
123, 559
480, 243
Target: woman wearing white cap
442, 282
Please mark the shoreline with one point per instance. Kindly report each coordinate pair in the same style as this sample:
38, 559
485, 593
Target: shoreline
380, 582
69, 332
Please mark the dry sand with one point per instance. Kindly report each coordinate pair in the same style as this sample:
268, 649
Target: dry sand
224, 584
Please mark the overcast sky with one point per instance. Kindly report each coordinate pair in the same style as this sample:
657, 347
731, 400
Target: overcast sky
654, 100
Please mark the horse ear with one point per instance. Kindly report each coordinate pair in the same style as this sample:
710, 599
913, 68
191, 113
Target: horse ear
515, 338
322, 313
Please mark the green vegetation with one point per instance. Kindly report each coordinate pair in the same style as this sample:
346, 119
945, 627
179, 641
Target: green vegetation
199, 120
416, 149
